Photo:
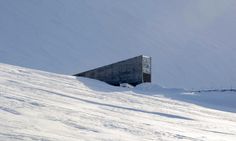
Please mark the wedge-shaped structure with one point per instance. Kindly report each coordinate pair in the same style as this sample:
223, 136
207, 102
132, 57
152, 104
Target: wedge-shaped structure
133, 71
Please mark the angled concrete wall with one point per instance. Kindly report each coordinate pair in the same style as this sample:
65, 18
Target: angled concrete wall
133, 71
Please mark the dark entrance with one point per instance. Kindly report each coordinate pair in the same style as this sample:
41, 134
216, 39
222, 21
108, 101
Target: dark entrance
146, 77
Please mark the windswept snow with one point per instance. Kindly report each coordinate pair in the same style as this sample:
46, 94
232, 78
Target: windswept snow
220, 100
36, 105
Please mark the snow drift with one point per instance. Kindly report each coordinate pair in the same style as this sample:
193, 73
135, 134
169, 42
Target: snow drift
36, 105
216, 99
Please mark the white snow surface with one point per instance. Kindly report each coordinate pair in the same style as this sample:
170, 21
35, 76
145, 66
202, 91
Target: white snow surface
192, 42
42, 106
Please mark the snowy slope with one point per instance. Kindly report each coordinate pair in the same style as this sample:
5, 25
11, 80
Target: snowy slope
36, 105
192, 42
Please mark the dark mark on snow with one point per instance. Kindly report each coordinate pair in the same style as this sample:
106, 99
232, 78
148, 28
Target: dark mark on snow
77, 126
218, 132
9, 110
119, 107
23, 137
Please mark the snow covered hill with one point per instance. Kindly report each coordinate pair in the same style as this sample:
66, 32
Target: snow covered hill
36, 105
192, 42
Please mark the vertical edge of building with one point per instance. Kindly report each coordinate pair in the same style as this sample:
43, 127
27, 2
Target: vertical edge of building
146, 69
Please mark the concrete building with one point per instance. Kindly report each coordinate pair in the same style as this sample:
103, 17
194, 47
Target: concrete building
133, 71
